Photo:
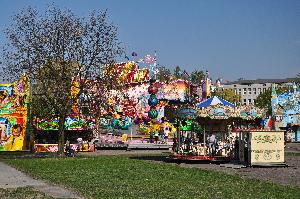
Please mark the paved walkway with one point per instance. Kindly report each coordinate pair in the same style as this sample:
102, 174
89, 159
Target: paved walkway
12, 178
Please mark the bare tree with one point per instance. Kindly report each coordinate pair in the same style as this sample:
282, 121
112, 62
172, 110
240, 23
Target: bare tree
59, 50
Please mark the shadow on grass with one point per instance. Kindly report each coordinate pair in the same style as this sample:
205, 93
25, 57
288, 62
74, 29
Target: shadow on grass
169, 159
30, 155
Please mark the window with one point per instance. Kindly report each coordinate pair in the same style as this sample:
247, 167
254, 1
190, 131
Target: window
240, 89
234, 85
245, 100
245, 91
249, 101
264, 89
249, 91
259, 90
254, 91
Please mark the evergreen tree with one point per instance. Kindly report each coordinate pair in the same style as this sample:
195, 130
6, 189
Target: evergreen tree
197, 76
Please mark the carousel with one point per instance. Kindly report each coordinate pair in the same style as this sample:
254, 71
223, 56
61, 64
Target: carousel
215, 129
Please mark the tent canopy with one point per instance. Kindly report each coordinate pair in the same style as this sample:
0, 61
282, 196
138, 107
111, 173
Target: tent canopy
214, 101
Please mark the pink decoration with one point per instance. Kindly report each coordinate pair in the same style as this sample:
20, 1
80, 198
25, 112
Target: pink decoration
149, 60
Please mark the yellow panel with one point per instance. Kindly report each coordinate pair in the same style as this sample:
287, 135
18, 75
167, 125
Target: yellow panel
267, 147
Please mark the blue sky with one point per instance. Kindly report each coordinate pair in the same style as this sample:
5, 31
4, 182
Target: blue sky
231, 39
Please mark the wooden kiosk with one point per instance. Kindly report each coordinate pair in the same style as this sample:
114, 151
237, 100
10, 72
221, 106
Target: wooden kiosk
261, 148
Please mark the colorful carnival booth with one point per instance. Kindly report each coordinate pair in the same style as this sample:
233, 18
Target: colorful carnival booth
77, 131
14, 100
219, 122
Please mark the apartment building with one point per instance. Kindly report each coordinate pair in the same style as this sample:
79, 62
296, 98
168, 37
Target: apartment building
250, 89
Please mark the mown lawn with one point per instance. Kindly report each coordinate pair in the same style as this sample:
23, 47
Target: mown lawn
21, 193
127, 177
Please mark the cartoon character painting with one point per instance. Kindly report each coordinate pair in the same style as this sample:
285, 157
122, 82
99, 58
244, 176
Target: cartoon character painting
4, 100
15, 142
13, 114
3, 133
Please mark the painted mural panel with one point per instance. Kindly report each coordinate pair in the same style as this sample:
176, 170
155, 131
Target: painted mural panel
71, 123
286, 107
14, 100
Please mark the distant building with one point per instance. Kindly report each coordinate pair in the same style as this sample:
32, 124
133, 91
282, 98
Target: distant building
250, 89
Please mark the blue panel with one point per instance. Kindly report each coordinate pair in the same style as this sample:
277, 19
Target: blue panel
208, 102
297, 134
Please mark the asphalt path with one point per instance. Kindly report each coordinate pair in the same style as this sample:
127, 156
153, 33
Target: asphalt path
12, 178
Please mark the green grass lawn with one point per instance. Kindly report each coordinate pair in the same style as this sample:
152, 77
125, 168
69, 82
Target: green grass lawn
21, 193
127, 177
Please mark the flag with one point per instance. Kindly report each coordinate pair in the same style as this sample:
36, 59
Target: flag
268, 122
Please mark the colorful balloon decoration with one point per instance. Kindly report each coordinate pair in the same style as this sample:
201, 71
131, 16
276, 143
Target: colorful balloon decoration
152, 101
153, 113
149, 59
152, 89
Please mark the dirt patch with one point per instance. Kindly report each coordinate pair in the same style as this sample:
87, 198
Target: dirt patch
281, 175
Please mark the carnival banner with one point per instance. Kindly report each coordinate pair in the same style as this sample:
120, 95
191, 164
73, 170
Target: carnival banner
127, 73
70, 124
246, 112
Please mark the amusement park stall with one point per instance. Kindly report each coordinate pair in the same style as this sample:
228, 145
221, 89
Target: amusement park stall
219, 121
78, 131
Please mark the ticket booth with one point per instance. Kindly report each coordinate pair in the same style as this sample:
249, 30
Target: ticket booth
262, 148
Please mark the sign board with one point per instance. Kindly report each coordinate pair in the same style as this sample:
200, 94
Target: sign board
267, 147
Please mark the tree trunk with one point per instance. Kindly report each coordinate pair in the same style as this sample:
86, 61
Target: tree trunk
61, 135
98, 126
